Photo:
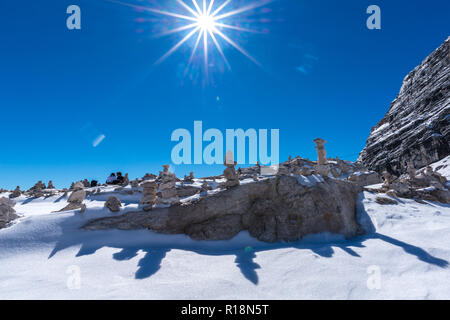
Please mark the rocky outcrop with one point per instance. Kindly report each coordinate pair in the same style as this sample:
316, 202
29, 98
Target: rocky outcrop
280, 208
427, 185
416, 128
7, 213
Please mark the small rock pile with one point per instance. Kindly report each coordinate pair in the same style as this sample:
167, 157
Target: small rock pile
16, 193
427, 185
37, 190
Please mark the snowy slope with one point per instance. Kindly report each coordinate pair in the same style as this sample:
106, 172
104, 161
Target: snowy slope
41, 256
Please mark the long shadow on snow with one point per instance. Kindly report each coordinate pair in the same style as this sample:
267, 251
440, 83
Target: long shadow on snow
132, 242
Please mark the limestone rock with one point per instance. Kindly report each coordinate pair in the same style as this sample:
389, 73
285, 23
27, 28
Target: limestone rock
16, 193
113, 204
384, 200
365, 178
7, 213
280, 208
416, 129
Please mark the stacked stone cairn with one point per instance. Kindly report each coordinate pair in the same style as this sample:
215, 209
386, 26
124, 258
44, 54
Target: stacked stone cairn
189, 178
76, 198
16, 193
149, 198
230, 171
168, 187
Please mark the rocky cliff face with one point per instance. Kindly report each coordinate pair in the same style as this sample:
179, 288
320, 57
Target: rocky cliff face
416, 127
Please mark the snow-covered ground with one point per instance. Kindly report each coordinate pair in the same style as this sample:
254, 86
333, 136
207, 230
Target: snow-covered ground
45, 255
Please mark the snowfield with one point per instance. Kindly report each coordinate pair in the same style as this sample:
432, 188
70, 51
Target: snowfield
405, 255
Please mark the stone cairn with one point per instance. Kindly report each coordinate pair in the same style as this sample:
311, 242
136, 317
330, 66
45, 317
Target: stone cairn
16, 193
149, 176
167, 187
230, 171
37, 190
76, 198
205, 187
411, 170
322, 166
126, 180
189, 178
387, 179
135, 183
149, 198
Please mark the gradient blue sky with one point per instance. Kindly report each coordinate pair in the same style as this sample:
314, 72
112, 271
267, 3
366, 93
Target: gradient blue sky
323, 74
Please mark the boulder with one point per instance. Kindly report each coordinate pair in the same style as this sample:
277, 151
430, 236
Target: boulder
113, 204
363, 179
7, 213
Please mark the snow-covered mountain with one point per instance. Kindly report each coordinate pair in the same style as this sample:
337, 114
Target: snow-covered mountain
45, 255
417, 126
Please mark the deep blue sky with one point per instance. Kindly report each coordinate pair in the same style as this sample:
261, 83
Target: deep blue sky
323, 74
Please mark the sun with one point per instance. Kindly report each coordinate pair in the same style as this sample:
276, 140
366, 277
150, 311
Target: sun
205, 22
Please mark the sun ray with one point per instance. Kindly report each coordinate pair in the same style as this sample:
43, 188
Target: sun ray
213, 37
220, 8
189, 26
205, 48
243, 9
187, 7
197, 7
193, 51
211, 3
166, 13
235, 27
238, 47
204, 7
175, 47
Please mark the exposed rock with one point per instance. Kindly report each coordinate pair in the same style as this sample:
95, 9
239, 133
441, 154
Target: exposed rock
113, 204
365, 178
149, 176
416, 128
149, 198
37, 190
16, 193
230, 172
384, 201
189, 178
86, 183
281, 208
167, 187
50, 185
7, 213
126, 180
205, 186
76, 198
321, 152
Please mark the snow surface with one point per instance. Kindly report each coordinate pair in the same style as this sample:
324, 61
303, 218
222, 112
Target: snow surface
42, 255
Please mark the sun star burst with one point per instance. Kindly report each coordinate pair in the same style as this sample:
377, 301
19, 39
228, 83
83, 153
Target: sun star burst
204, 22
